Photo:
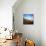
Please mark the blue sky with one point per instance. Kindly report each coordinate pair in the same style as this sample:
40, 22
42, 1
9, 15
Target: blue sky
28, 16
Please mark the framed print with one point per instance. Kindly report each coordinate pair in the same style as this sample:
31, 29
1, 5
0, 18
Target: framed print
28, 19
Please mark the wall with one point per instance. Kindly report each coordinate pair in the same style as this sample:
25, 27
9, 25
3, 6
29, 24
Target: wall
29, 31
43, 23
6, 13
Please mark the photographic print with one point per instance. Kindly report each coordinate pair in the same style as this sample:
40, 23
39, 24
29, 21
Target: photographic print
28, 19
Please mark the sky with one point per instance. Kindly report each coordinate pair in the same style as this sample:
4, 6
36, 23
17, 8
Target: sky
28, 16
